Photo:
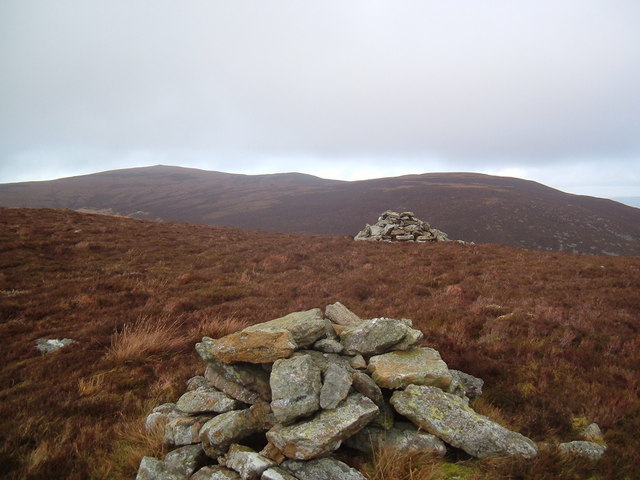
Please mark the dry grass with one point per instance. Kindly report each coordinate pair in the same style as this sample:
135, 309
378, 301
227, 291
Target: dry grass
554, 336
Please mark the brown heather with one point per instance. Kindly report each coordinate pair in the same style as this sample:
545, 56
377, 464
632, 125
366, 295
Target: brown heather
555, 336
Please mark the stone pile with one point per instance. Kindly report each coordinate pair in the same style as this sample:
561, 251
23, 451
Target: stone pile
279, 399
401, 227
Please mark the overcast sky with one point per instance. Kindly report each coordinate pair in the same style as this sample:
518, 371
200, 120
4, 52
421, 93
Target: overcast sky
350, 89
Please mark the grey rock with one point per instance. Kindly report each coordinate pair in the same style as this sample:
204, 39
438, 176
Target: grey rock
323, 360
328, 345
471, 386
227, 428
277, 473
403, 437
246, 461
184, 430
325, 432
295, 388
374, 336
341, 315
451, 419
245, 382
161, 415
186, 460
358, 362
322, 469
207, 399
364, 384
49, 345
418, 366
153, 469
335, 388
592, 433
588, 450
196, 382
305, 327
215, 472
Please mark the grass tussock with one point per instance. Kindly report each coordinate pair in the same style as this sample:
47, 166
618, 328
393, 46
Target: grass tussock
555, 336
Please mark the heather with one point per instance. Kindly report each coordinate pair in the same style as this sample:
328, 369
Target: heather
554, 335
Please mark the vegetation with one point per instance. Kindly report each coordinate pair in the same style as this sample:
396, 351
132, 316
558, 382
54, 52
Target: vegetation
555, 336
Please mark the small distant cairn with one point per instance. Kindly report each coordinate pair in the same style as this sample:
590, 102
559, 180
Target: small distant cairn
401, 227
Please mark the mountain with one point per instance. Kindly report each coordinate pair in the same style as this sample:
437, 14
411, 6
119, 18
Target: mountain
468, 206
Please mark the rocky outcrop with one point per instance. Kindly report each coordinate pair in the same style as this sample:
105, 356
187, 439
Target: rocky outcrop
268, 412
401, 227
49, 345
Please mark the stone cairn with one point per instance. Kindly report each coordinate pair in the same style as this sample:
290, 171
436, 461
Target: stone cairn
401, 227
277, 399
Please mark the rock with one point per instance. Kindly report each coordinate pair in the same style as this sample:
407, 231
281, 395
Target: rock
452, 420
323, 360
153, 469
335, 388
322, 469
588, 450
207, 399
592, 433
394, 227
215, 472
295, 388
161, 415
186, 460
227, 428
376, 336
305, 327
403, 437
244, 382
272, 452
364, 384
471, 386
49, 345
418, 366
358, 362
341, 315
256, 346
385, 418
246, 461
277, 473
196, 382
328, 345
184, 430
325, 432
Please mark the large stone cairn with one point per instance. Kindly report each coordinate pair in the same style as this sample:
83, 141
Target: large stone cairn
401, 227
279, 399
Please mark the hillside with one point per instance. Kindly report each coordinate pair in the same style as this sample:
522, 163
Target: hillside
555, 336
472, 207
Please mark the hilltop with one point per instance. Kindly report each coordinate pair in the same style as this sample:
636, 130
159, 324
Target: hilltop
555, 336
468, 206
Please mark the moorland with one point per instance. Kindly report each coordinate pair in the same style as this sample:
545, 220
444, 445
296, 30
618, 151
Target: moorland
555, 336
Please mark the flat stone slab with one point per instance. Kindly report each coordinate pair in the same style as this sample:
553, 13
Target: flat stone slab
341, 315
335, 387
242, 381
295, 388
322, 469
403, 437
417, 366
215, 472
589, 450
305, 327
207, 399
186, 460
153, 469
227, 428
325, 432
184, 430
253, 346
448, 417
379, 335
246, 461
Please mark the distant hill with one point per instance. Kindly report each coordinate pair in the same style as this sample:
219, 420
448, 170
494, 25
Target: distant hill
468, 206
631, 201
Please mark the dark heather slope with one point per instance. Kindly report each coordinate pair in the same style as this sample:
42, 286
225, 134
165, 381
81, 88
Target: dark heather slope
468, 206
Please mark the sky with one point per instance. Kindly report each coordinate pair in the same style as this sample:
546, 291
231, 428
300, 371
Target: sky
349, 89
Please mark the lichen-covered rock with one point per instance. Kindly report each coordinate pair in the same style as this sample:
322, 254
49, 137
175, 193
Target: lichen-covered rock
323, 360
277, 473
153, 469
184, 430
49, 345
592, 433
186, 460
196, 382
255, 346
403, 437
322, 469
418, 366
215, 472
341, 315
227, 428
244, 382
470, 386
295, 388
207, 399
246, 461
588, 450
378, 335
335, 387
358, 362
450, 418
328, 345
161, 415
305, 327
325, 432
272, 452
364, 384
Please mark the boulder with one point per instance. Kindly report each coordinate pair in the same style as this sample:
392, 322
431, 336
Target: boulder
227, 428
364, 384
375, 336
325, 432
305, 327
592, 433
588, 450
184, 430
403, 437
470, 386
153, 469
328, 345
341, 315
417, 366
196, 382
242, 381
186, 460
207, 399
49, 345
295, 388
246, 461
335, 388
452, 420
215, 472
255, 346
161, 415
322, 469
277, 473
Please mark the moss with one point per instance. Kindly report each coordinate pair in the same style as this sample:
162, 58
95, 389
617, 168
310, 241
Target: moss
456, 471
